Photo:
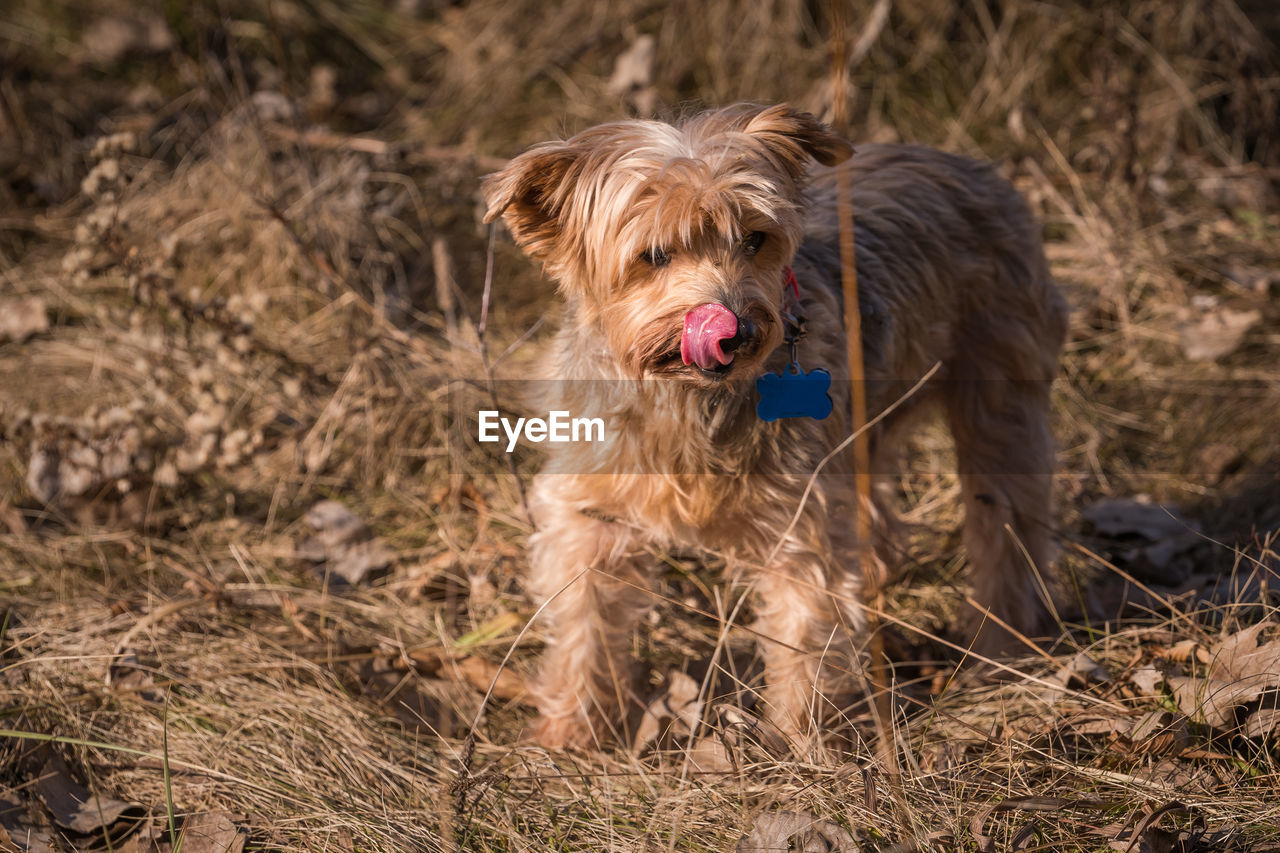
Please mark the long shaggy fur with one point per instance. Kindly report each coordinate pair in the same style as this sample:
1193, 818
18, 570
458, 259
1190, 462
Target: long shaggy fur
951, 270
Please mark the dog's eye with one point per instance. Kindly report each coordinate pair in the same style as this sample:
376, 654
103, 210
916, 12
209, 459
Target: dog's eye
752, 242
655, 257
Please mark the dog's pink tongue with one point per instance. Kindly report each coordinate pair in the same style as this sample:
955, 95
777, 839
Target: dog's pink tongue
704, 329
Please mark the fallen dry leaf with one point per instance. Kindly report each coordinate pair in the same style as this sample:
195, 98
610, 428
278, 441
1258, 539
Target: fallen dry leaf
1187, 650
343, 545
1242, 672
1212, 700
1160, 732
22, 318
16, 824
801, 832
127, 674
508, 685
1215, 333
1076, 674
86, 816
1082, 670
1109, 725
1120, 518
1157, 560
1147, 681
1242, 687
674, 713
358, 561
334, 525
1240, 655
709, 755
212, 832
146, 840
1263, 723
748, 735
1140, 834
1151, 540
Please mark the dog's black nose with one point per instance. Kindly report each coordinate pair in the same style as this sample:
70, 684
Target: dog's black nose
746, 333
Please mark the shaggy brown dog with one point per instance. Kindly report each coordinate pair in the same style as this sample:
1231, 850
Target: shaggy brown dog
673, 247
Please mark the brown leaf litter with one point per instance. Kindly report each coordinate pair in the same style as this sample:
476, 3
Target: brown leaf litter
56, 812
1215, 331
674, 713
59, 805
342, 545
1240, 688
1140, 831
802, 832
212, 832
21, 319
1150, 538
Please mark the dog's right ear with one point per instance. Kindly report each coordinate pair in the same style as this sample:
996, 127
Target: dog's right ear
530, 195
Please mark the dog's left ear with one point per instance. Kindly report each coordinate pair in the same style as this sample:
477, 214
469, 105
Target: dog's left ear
528, 195
796, 135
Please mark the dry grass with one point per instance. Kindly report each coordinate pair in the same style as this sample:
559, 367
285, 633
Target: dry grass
236, 215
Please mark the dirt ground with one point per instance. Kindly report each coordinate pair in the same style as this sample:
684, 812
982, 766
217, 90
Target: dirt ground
255, 594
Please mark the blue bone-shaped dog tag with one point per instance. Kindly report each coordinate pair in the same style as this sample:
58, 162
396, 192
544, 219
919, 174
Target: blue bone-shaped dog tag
794, 394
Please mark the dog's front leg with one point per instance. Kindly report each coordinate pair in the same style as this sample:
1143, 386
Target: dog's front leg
809, 616
588, 576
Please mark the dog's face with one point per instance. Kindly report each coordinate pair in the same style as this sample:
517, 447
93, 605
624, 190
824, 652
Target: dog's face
670, 242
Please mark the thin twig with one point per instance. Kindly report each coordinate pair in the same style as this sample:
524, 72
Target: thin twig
488, 289
329, 140
520, 341
840, 448
490, 378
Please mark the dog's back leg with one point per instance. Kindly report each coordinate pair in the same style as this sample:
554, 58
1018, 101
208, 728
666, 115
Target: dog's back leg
1004, 451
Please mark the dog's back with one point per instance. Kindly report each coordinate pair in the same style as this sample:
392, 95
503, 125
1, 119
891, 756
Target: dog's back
949, 254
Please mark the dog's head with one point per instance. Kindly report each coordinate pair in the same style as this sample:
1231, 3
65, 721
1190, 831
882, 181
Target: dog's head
671, 240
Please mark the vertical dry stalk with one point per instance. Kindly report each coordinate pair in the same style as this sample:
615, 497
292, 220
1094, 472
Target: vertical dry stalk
443, 268
490, 378
881, 704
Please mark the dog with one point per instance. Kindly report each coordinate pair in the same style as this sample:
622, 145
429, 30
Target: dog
685, 254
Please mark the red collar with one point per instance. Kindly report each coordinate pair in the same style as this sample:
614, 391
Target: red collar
789, 280
793, 321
